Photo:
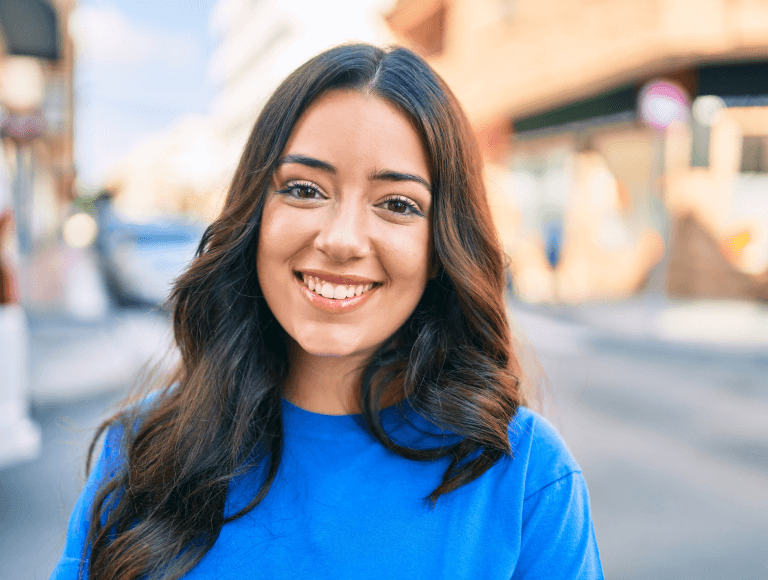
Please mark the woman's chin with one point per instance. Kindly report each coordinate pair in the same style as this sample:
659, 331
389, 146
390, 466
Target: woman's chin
327, 352
334, 348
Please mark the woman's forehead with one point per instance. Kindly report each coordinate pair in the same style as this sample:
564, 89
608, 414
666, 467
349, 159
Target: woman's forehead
343, 127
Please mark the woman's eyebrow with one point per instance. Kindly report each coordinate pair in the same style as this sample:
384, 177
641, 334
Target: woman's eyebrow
307, 161
382, 174
389, 175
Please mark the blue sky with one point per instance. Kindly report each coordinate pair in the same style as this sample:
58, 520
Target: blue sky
142, 66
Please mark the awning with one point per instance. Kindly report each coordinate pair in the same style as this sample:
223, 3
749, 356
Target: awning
612, 104
742, 84
30, 28
738, 83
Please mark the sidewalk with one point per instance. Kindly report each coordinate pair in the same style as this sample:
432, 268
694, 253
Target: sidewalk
76, 360
80, 344
653, 324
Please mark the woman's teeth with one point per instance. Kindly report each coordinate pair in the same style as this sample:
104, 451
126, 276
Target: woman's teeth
337, 292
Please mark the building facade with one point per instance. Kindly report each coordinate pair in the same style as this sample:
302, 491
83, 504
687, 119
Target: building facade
625, 141
259, 42
36, 178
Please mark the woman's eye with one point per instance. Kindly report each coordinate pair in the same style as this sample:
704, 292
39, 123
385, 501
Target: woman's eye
301, 191
304, 192
401, 206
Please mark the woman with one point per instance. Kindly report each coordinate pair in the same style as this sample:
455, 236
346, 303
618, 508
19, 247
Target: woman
346, 405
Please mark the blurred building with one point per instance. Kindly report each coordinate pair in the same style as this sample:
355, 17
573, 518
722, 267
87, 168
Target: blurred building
36, 96
626, 142
182, 170
257, 44
36, 108
36, 176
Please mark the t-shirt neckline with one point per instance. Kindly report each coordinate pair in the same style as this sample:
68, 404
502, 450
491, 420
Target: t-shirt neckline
298, 420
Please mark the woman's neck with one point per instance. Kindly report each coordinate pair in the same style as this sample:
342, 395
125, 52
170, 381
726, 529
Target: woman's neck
324, 384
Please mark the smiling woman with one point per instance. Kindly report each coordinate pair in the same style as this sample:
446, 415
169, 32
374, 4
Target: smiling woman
347, 402
348, 210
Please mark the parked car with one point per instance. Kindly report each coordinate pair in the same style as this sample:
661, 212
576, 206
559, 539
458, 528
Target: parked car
140, 261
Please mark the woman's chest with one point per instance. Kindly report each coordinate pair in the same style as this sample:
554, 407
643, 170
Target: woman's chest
365, 517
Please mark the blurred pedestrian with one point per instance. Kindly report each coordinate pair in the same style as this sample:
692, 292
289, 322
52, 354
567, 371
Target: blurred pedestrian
347, 403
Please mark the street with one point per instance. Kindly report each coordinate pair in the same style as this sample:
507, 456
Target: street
675, 453
674, 449
36, 498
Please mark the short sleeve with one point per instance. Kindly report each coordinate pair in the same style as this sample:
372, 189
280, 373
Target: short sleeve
108, 466
558, 539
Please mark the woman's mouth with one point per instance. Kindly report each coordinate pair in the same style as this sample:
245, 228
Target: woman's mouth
332, 291
337, 295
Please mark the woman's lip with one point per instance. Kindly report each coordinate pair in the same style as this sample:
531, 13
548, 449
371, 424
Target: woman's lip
333, 305
337, 278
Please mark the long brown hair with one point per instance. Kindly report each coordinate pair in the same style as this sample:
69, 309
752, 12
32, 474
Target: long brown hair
452, 359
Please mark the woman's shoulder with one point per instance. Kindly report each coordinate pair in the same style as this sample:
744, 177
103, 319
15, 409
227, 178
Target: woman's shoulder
540, 450
133, 413
110, 464
137, 408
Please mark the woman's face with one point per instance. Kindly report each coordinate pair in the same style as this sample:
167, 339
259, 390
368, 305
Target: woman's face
345, 240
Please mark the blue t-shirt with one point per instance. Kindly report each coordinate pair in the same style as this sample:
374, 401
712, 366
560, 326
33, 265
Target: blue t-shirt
343, 506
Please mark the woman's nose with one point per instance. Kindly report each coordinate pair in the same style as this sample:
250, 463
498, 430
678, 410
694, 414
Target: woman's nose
344, 236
